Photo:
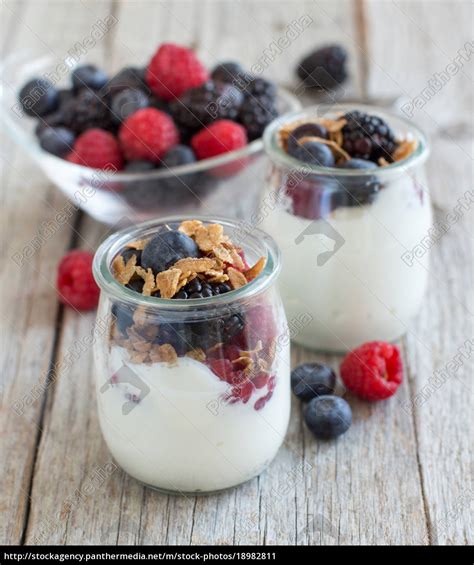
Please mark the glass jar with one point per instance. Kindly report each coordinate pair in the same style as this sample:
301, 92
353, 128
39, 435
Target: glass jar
351, 240
193, 395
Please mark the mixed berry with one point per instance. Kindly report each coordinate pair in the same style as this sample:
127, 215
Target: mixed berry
324, 69
150, 111
75, 284
196, 261
372, 371
353, 141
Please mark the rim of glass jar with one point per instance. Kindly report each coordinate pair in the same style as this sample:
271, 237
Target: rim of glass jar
278, 155
109, 248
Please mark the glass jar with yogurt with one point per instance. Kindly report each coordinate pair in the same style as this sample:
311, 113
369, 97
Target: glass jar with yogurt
350, 238
193, 390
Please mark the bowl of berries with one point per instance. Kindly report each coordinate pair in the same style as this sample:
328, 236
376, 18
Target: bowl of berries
170, 137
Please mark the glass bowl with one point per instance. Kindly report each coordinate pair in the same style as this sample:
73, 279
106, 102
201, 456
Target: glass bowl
227, 185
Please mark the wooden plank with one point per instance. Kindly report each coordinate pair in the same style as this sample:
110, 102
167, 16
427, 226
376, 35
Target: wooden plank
441, 406
30, 308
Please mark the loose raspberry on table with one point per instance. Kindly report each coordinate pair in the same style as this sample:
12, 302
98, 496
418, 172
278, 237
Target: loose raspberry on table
373, 371
173, 70
75, 284
220, 137
98, 149
147, 134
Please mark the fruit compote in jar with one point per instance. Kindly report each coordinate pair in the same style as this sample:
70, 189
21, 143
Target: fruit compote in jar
348, 204
193, 371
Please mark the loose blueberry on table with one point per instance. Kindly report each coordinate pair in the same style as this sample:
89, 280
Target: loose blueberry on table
197, 261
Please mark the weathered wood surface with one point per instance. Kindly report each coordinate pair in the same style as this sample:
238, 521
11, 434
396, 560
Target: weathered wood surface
402, 475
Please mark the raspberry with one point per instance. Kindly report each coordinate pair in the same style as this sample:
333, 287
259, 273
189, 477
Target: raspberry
75, 283
373, 371
220, 137
173, 70
98, 149
147, 134
222, 368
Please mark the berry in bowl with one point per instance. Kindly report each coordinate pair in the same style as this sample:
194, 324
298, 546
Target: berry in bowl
351, 206
192, 354
167, 138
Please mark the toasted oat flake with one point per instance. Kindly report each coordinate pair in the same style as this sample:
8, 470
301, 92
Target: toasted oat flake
223, 254
209, 237
124, 272
197, 354
405, 149
165, 353
189, 227
139, 244
167, 282
215, 276
149, 285
192, 266
138, 356
236, 278
237, 259
256, 269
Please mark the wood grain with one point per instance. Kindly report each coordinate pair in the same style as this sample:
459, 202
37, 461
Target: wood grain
401, 475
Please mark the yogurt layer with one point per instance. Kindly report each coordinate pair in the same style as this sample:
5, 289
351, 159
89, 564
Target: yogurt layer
178, 433
346, 271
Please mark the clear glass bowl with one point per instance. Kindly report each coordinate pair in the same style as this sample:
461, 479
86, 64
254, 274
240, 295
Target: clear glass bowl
229, 185
214, 412
351, 240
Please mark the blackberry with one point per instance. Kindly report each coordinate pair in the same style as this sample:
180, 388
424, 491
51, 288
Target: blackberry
325, 68
367, 137
211, 101
87, 110
201, 289
260, 88
127, 253
256, 114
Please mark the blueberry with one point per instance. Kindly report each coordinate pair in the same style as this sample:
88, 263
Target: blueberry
136, 285
358, 164
359, 189
123, 316
328, 416
178, 155
126, 102
312, 379
127, 253
38, 97
306, 130
313, 153
228, 72
88, 76
58, 141
166, 248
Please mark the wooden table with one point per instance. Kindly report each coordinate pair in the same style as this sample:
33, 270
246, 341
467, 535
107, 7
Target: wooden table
403, 474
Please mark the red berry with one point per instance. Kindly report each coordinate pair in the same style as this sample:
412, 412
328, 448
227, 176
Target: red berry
243, 391
220, 137
98, 149
260, 380
147, 135
75, 284
173, 70
260, 403
222, 368
373, 371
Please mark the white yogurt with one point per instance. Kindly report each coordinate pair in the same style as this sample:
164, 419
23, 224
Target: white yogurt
364, 291
181, 436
